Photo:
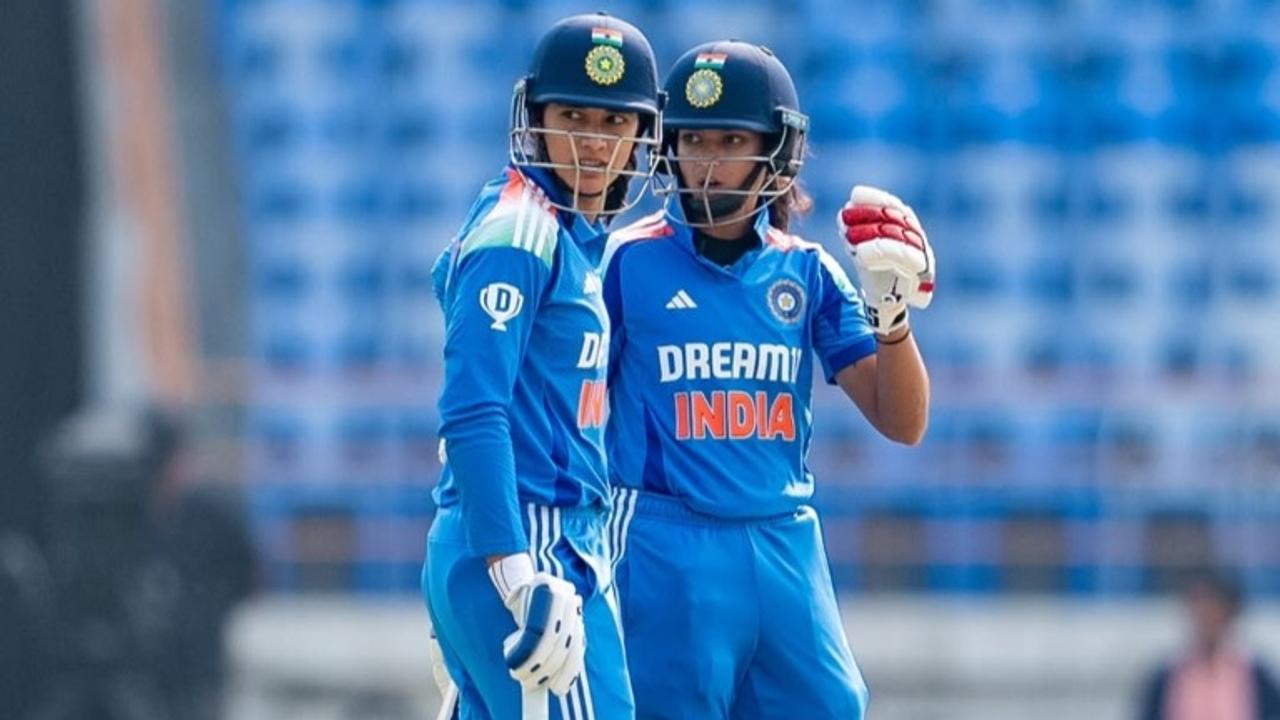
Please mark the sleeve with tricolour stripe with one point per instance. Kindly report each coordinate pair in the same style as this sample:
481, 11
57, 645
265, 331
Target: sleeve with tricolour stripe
494, 291
841, 334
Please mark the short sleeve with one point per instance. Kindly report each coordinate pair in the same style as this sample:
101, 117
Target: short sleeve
841, 334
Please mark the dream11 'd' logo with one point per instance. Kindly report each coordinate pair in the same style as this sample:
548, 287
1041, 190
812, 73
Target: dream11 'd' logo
502, 302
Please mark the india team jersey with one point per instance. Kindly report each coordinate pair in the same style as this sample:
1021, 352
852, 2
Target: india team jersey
526, 344
710, 367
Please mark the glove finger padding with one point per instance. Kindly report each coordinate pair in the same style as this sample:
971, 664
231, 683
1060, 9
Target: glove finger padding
548, 648
873, 196
883, 235
535, 650
575, 658
866, 222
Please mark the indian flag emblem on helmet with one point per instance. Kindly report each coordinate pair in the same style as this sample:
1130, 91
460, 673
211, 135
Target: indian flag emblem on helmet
605, 64
704, 88
605, 36
710, 60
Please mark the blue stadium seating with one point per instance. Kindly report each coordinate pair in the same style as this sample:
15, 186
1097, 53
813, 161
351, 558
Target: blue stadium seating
1078, 171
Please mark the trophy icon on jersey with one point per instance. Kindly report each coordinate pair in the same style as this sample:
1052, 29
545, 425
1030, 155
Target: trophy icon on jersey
502, 302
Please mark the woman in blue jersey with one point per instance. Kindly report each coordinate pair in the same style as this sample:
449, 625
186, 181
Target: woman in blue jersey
516, 571
727, 602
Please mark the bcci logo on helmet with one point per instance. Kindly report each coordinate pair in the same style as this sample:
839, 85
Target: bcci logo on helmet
605, 65
704, 88
501, 302
786, 301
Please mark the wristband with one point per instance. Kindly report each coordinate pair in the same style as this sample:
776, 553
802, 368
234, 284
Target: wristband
905, 335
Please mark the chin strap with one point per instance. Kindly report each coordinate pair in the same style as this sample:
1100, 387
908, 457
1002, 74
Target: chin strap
719, 207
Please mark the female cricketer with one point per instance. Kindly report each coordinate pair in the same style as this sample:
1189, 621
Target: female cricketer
516, 575
727, 601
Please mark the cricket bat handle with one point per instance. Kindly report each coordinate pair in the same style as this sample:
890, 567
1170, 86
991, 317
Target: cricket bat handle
534, 704
449, 705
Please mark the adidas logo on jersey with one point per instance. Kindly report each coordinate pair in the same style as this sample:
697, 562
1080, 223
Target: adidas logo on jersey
681, 301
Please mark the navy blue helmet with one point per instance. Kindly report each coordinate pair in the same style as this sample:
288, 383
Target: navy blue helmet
734, 85
595, 61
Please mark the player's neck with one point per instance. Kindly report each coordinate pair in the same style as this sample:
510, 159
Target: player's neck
725, 252
590, 208
729, 231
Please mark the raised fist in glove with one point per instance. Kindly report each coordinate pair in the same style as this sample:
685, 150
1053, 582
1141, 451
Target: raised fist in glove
891, 254
548, 649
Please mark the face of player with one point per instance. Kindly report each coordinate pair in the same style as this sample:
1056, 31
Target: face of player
721, 160
1211, 617
601, 145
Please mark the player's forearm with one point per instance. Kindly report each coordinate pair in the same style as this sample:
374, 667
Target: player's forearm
480, 455
902, 389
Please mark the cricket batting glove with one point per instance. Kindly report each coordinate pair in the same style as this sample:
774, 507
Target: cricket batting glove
548, 649
891, 254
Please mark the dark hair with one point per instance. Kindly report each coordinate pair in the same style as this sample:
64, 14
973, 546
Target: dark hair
795, 202
1221, 584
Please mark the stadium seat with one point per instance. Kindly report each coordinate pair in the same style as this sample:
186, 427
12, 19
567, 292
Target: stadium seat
283, 352
281, 202
284, 281
1051, 280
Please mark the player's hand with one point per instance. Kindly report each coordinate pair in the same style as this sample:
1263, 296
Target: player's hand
891, 254
548, 649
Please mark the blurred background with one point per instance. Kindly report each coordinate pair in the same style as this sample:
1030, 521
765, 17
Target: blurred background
220, 353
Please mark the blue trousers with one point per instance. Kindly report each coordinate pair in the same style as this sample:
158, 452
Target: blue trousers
471, 621
730, 619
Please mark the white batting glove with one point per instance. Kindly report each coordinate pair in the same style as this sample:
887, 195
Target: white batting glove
891, 254
548, 649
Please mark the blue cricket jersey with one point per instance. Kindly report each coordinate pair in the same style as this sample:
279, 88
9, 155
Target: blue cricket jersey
710, 367
525, 356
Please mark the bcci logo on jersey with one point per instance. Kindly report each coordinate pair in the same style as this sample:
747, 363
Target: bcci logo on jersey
786, 301
501, 302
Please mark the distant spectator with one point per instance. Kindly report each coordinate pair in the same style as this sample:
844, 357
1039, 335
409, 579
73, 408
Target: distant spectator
145, 563
1215, 678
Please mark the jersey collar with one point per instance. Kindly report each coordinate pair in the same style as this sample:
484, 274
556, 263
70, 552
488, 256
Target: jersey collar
684, 237
590, 236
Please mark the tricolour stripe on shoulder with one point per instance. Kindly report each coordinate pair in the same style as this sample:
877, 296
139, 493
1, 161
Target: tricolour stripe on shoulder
787, 242
649, 227
646, 228
522, 218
